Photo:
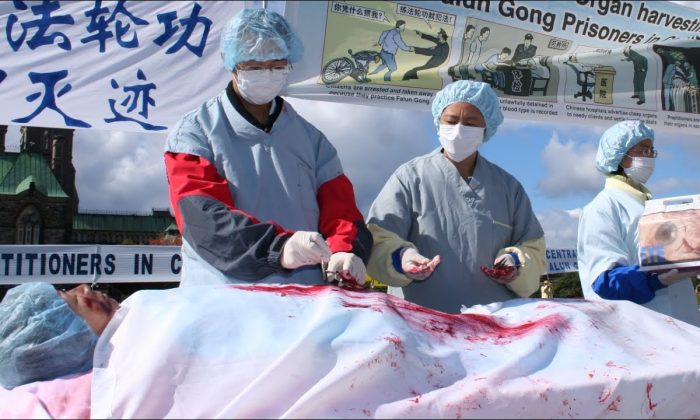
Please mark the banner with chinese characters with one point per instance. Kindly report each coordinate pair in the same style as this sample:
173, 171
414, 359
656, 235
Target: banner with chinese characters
140, 66
588, 62
123, 66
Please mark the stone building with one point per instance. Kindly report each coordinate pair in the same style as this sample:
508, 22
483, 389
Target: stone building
39, 201
39, 205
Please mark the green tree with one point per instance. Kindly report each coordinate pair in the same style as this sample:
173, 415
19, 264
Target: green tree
565, 285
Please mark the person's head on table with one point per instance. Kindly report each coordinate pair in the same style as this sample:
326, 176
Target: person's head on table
466, 113
257, 47
95, 308
46, 334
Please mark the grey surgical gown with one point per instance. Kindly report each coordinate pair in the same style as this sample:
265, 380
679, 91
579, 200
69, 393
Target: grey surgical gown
468, 223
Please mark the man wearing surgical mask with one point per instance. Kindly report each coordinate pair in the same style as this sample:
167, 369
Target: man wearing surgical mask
608, 238
451, 228
258, 193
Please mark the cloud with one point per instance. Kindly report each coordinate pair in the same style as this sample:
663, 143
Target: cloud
666, 185
120, 171
123, 171
115, 170
569, 168
690, 144
371, 142
560, 227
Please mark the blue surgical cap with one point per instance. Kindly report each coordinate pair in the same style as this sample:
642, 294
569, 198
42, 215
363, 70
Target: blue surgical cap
476, 93
41, 338
260, 35
617, 140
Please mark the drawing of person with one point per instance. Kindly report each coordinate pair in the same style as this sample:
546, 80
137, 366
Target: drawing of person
676, 81
475, 46
525, 50
437, 53
490, 67
667, 82
461, 71
391, 42
537, 66
362, 59
640, 72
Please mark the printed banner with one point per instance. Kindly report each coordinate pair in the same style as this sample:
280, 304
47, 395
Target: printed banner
561, 261
122, 66
89, 263
140, 66
133, 263
585, 61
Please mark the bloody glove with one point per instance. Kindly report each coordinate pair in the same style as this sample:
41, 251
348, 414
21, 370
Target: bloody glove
504, 270
346, 267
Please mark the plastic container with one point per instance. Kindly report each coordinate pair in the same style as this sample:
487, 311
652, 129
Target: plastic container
669, 234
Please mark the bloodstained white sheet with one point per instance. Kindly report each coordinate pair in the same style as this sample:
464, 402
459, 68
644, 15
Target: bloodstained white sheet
322, 352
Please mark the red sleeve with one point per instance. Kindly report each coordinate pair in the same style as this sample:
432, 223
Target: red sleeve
340, 220
193, 175
231, 240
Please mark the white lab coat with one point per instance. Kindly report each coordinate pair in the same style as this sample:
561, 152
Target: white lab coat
608, 236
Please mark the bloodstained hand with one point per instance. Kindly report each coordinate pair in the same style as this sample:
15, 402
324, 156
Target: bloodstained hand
502, 274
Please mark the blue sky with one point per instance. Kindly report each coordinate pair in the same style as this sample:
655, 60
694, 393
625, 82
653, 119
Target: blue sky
555, 163
120, 171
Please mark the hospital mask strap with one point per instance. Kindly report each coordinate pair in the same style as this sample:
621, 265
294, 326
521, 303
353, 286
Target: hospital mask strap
641, 170
261, 86
460, 141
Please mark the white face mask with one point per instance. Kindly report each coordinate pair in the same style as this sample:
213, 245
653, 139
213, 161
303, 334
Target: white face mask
460, 141
641, 169
261, 86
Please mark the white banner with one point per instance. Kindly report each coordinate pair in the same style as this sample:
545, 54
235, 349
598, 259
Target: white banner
123, 66
140, 66
585, 61
561, 261
89, 263
134, 263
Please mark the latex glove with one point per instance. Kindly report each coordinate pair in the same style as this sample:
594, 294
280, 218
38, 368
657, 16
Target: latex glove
304, 248
347, 266
503, 271
415, 266
673, 276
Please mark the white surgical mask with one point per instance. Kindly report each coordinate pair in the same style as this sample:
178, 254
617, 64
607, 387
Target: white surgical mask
460, 141
641, 169
261, 86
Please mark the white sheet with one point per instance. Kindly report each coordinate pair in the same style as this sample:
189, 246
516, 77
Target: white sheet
62, 398
321, 352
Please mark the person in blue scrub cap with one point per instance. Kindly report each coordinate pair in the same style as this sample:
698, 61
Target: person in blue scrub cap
259, 194
451, 228
608, 240
46, 334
